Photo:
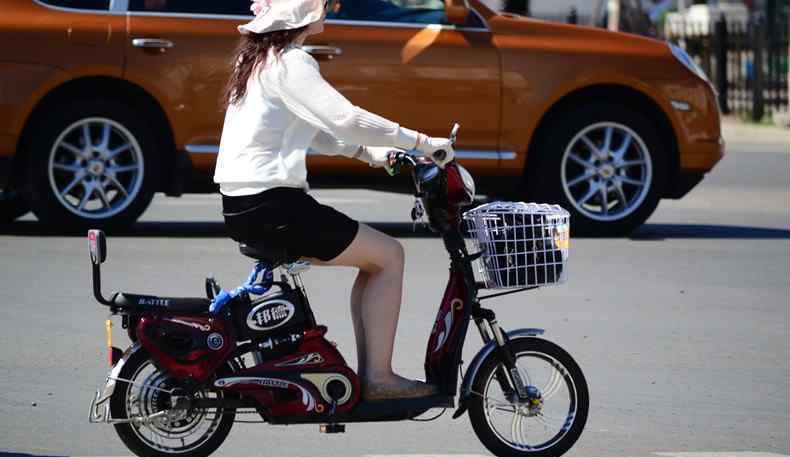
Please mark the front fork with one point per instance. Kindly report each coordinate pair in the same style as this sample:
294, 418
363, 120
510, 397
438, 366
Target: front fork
508, 377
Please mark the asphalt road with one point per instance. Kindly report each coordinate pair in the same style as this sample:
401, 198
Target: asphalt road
682, 329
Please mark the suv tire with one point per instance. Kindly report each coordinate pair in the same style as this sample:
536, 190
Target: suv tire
12, 206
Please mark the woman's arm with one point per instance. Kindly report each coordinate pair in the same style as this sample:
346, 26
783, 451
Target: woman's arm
329, 145
305, 92
325, 143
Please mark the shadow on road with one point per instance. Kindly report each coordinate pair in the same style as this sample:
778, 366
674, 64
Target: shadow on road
653, 232
648, 232
185, 230
11, 454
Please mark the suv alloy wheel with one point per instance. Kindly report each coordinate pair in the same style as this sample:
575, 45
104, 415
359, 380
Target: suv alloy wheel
93, 164
605, 164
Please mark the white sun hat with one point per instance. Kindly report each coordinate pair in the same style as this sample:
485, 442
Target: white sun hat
271, 15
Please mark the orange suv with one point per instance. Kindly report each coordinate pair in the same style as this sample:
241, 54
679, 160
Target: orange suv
105, 102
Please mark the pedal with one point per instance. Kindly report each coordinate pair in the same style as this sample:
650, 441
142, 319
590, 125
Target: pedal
332, 428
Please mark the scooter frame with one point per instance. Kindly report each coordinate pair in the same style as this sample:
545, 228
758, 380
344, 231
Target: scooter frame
460, 304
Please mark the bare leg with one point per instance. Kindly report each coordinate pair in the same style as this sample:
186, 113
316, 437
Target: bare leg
356, 315
375, 304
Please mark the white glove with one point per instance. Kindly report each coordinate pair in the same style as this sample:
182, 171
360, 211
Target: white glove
429, 145
375, 156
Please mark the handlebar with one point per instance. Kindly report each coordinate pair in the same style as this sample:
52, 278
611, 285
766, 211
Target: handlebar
441, 154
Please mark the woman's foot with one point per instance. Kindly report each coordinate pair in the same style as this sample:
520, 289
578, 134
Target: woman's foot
396, 388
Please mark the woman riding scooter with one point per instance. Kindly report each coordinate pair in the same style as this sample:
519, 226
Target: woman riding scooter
278, 107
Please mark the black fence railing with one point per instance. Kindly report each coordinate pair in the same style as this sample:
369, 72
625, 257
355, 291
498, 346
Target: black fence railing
746, 60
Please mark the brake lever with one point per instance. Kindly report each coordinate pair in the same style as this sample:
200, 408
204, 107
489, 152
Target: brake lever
393, 165
395, 162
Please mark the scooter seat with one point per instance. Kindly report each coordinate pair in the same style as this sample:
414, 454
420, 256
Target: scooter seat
272, 255
154, 303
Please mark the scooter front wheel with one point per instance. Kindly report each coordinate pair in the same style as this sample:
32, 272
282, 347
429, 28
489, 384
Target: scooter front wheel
549, 421
145, 393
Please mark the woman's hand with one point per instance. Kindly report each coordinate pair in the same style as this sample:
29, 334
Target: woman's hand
429, 146
376, 156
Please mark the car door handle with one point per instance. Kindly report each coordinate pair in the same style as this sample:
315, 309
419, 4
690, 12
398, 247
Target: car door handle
152, 43
319, 50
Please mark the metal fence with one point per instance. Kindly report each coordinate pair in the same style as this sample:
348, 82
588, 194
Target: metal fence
746, 60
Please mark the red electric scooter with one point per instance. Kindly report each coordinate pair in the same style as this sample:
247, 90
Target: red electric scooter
196, 365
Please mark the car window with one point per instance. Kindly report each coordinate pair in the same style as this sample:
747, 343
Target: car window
410, 11
80, 4
399, 11
231, 7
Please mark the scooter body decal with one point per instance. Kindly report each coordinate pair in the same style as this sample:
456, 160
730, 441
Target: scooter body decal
313, 358
448, 325
307, 398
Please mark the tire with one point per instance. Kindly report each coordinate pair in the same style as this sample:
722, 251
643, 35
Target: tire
73, 186
140, 368
487, 391
12, 207
569, 173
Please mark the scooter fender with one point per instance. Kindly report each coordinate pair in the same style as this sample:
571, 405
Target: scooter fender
109, 386
477, 362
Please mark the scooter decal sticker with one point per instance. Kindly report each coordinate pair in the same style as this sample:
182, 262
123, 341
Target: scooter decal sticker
215, 341
153, 301
307, 399
313, 358
270, 314
448, 324
204, 328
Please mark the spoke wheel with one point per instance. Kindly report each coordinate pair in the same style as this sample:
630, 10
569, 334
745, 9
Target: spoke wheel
191, 432
607, 171
550, 421
604, 163
96, 168
92, 164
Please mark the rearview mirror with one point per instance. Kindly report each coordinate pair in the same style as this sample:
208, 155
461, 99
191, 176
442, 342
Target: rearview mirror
457, 11
98, 246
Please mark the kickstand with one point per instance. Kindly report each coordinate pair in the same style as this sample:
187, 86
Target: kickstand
332, 427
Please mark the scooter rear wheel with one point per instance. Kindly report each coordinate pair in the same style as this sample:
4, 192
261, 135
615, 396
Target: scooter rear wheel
550, 422
191, 433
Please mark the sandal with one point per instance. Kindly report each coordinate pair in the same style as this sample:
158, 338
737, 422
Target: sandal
400, 390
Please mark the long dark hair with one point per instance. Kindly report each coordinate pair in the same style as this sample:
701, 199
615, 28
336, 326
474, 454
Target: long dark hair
252, 51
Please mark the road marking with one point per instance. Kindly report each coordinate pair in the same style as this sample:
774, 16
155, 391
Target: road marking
718, 454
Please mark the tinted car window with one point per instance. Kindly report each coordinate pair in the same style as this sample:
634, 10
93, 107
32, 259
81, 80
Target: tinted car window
232, 7
80, 4
412, 11
404, 11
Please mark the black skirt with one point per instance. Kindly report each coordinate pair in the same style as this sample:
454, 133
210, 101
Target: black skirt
289, 218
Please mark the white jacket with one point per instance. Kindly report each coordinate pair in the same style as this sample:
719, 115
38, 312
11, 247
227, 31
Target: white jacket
288, 109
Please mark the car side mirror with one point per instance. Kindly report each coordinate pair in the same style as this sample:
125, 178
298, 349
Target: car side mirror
457, 11
98, 246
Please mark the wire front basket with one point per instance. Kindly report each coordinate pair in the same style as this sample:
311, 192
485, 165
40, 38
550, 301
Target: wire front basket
523, 244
